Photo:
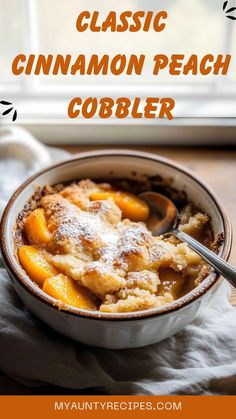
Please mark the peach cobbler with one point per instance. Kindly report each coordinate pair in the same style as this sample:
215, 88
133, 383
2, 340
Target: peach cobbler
86, 244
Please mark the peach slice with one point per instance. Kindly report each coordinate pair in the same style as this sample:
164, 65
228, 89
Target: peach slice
35, 264
65, 289
131, 206
36, 227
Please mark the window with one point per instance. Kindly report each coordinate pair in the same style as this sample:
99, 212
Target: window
49, 27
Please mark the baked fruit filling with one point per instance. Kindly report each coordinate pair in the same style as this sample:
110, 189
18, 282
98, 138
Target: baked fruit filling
87, 246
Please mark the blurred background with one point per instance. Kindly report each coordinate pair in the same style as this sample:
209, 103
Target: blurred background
205, 109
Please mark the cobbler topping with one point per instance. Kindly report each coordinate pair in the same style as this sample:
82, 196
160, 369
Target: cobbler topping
95, 257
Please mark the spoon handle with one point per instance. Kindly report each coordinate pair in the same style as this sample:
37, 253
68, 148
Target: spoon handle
222, 267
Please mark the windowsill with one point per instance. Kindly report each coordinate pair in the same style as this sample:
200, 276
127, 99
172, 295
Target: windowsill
196, 122
182, 132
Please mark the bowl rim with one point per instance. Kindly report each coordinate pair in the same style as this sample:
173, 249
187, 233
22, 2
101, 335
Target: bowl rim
187, 299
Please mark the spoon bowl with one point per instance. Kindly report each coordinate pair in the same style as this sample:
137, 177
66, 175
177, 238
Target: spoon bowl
164, 214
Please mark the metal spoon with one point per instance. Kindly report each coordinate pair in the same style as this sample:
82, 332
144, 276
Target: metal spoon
164, 218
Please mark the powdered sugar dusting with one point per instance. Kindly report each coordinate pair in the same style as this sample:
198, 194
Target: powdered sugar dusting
120, 259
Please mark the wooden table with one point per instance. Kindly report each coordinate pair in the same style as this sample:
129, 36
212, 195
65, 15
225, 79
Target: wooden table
216, 166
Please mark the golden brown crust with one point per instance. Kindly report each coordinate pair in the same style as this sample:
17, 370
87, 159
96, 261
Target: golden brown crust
71, 233
116, 260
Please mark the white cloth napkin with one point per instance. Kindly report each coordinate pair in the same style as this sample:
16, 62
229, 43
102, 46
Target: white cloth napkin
21, 155
199, 360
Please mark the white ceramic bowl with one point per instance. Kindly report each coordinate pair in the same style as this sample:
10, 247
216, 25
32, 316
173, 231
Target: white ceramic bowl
115, 330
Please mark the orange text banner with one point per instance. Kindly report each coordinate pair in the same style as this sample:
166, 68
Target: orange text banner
184, 407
